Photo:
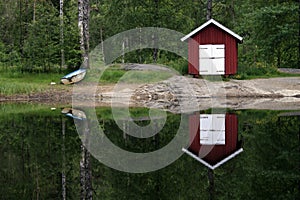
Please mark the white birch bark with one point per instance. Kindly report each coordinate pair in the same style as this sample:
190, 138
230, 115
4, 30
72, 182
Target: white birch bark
83, 25
85, 169
61, 16
63, 174
34, 10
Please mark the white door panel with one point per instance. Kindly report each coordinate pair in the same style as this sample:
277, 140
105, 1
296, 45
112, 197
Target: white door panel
205, 51
205, 137
205, 66
205, 122
218, 66
218, 51
218, 137
218, 122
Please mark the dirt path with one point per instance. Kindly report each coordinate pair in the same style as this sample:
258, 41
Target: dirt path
289, 70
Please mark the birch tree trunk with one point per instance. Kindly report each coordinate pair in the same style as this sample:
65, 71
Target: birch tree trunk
102, 45
83, 25
61, 17
85, 169
211, 180
155, 37
82, 173
209, 10
63, 173
34, 10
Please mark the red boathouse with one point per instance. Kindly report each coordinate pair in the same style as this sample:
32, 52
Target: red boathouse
212, 50
213, 138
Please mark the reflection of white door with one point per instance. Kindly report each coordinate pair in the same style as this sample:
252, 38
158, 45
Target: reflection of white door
212, 129
212, 59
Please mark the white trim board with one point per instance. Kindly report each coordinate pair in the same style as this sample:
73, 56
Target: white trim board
216, 165
212, 21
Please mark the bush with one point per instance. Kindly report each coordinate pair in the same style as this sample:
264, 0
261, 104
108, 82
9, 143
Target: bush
256, 70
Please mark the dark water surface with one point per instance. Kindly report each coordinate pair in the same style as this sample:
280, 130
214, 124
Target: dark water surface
41, 157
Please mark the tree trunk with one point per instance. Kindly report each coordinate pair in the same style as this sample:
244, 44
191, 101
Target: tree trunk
34, 10
211, 180
209, 10
82, 173
83, 25
63, 173
85, 169
232, 12
61, 17
102, 45
155, 37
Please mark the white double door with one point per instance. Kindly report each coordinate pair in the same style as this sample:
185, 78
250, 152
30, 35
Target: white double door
212, 129
212, 59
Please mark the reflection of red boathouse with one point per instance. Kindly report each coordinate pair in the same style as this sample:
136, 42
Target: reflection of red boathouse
213, 138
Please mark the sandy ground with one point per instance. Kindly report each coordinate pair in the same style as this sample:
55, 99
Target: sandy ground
177, 94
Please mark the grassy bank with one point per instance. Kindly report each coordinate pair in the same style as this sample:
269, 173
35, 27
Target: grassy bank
14, 82
26, 83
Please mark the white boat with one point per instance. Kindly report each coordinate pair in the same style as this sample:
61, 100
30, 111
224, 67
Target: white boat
73, 77
74, 113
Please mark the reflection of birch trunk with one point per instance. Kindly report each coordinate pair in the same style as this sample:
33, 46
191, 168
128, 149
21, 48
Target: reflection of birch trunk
85, 168
82, 173
63, 173
211, 180
158, 178
37, 181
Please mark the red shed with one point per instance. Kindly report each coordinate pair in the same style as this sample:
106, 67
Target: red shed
212, 50
213, 138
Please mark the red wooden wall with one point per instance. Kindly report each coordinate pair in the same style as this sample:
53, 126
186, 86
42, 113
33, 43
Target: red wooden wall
217, 152
213, 35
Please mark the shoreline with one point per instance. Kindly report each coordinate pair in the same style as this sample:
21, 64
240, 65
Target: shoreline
178, 94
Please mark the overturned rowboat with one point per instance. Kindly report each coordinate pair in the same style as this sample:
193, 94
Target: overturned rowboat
74, 113
73, 77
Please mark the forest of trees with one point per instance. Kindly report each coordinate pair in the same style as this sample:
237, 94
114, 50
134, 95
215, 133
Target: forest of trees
44, 35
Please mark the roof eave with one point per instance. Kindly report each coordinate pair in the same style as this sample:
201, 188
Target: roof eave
216, 165
212, 21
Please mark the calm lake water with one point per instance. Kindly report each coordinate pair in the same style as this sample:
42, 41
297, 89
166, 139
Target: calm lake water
41, 156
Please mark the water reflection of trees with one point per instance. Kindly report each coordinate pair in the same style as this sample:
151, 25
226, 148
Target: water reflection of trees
31, 162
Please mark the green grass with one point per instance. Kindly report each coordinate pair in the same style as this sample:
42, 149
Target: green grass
260, 70
115, 74
10, 109
12, 81
145, 76
25, 83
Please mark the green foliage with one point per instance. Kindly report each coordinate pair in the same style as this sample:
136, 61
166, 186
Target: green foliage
256, 70
270, 30
259, 70
180, 65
